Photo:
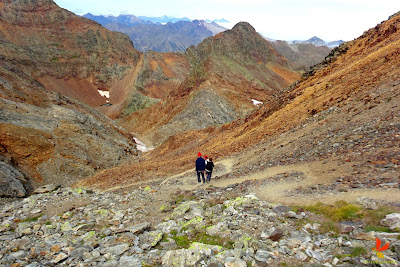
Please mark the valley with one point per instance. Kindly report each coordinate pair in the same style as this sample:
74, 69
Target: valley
98, 143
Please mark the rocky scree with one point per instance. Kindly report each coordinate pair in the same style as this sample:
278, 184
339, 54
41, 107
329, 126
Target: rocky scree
203, 227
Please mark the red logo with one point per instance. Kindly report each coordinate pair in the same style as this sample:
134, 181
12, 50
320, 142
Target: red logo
378, 248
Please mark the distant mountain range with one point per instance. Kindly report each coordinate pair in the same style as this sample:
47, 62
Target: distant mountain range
163, 19
313, 40
133, 20
160, 34
317, 42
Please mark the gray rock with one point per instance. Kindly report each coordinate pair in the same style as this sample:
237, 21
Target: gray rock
281, 209
392, 220
130, 261
150, 239
215, 110
60, 257
235, 262
115, 250
190, 256
46, 189
18, 255
10, 181
300, 256
367, 202
262, 255
138, 228
78, 253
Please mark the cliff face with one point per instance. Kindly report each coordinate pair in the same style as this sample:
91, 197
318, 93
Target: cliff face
65, 53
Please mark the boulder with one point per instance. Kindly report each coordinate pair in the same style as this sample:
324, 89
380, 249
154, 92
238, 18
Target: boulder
392, 221
10, 181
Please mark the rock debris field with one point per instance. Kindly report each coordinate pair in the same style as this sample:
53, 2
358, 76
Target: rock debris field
206, 226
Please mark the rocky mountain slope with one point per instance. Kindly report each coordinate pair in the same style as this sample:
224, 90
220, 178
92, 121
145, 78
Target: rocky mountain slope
345, 111
45, 136
303, 56
226, 72
65, 53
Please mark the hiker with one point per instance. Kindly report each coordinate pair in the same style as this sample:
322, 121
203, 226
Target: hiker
206, 159
200, 168
209, 169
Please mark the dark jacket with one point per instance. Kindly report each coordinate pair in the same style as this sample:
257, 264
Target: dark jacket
209, 166
200, 164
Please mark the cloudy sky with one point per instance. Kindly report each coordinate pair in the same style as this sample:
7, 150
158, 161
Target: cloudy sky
278, 19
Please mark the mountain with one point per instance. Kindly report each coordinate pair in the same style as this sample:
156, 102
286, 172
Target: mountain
64, 52
128, 20
226, 72
47, 54
217, 20
46, 136
317, 42
149, 34
170, 37
163, 19
302, 55
340, 121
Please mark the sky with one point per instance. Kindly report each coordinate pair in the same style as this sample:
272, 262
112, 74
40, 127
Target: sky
278, 19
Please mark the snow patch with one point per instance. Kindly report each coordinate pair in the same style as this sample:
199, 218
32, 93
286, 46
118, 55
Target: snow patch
256, 102
104, 93
141, 146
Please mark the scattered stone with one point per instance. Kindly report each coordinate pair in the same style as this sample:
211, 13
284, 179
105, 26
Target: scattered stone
364, 236
276, 235
60, 257
367, 203
281, 209
392, 221
138, 228
46, 189
301, 256
250, 231
235, 262
262, 255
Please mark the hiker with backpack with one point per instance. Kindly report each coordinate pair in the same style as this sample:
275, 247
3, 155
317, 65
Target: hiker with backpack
200, 168
209, 169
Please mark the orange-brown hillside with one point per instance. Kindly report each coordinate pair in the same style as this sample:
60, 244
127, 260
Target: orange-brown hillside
67, 54
347, 110
227, 71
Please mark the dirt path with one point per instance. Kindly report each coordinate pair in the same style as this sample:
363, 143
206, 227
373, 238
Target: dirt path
314, 173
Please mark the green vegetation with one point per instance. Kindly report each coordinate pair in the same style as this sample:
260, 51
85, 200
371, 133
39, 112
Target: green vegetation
179, 199
137, 102
355, 252
199, 236
197, 75
373, 217
377, 228
31, 219
358, 251
341, 211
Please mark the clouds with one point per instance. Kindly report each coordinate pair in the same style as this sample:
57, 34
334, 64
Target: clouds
279, 19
